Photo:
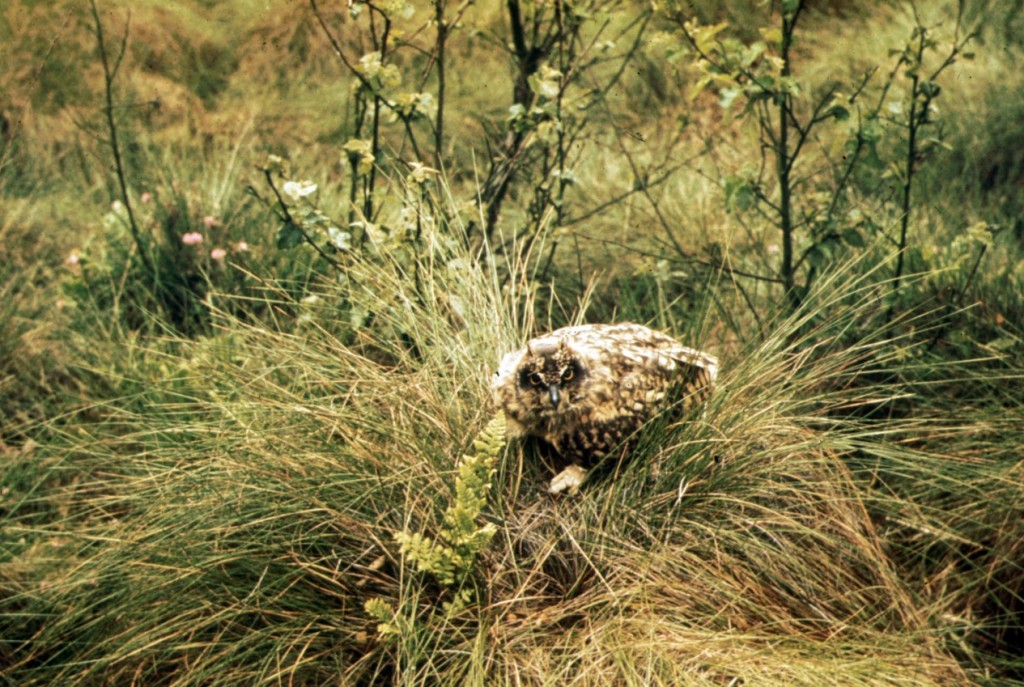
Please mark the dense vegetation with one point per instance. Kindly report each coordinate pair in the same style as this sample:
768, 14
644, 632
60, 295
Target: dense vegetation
258, 261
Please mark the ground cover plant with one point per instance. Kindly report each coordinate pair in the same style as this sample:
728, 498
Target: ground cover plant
259, 261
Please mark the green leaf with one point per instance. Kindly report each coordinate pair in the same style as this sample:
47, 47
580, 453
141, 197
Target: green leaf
739, 193
289, 235
704, 36
789, 85
840, 112
728, 96
817, 257
772, 35
853, 238
930, 89
751, 53
699, 87
752, 101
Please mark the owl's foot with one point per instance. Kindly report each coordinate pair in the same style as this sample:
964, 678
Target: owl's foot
568, 479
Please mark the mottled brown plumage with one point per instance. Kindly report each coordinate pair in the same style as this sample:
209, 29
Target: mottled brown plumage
585, 390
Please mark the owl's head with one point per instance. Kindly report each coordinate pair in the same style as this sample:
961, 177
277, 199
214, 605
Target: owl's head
550, 374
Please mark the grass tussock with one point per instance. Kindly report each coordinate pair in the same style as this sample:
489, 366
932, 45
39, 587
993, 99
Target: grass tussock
226, 522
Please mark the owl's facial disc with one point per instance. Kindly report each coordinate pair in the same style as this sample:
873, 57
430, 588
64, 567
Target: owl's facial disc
550, 372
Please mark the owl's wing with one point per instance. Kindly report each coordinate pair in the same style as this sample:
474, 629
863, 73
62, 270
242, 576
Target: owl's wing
705, 362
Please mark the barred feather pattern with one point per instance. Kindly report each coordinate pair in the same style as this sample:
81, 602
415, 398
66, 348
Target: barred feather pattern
585, 390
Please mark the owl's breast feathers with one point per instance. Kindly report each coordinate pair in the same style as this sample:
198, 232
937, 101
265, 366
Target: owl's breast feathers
631, 373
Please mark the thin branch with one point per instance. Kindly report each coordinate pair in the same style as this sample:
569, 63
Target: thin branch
286, 216
335, 44
442, 78
804, 130
44, 63
115, 146
642, 185
686, 260
615, 200
124, 45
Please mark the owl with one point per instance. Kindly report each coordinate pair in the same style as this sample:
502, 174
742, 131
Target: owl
585, 390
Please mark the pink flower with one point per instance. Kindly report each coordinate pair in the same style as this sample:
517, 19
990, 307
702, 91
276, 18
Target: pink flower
210, 222
146, 197
241, 247
218, 254
192, 238
72, 259
116, 205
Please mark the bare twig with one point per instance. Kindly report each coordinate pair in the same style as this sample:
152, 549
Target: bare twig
109, 77
440, 46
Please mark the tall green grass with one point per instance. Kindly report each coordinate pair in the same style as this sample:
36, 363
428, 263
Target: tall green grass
222, 516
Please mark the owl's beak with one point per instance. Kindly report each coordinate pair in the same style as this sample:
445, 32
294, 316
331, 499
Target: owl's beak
553, 392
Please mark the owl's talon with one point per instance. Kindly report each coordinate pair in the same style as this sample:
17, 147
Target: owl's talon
568, 480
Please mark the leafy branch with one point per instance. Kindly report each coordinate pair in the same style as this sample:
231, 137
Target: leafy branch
293, 230
450, 557
762, 75
923, 90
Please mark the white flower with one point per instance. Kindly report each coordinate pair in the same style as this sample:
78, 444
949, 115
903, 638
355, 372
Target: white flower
370, 64
298, 189
548, 82
413, 105
418, 172
567, 176
342, 240
399, 8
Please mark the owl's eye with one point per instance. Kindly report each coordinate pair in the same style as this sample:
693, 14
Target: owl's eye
536, 379
567, 374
